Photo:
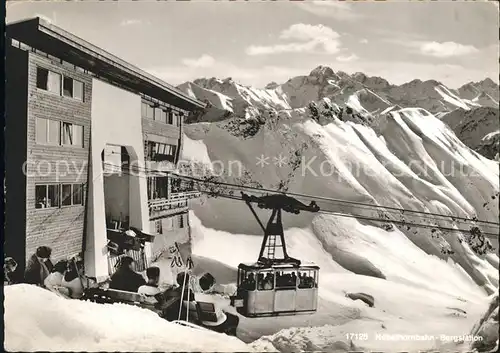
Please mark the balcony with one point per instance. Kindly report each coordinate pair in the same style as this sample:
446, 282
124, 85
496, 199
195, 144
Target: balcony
177, 203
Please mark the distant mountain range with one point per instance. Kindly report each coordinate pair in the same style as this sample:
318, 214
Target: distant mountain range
365, 96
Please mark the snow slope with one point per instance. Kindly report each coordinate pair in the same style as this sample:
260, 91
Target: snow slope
453, 99
58, 324
413, 161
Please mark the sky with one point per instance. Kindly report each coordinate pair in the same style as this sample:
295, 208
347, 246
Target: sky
259, 42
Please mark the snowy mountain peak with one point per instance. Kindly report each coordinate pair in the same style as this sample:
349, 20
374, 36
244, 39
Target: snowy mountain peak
472, 90
488, 82
359, 76
323, 72
374, 82
271, 85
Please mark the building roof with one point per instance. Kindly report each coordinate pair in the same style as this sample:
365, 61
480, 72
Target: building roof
48, 38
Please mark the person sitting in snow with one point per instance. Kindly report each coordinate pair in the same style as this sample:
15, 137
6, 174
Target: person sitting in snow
150, 289
125, 278
183, 280
54, 281
39, 266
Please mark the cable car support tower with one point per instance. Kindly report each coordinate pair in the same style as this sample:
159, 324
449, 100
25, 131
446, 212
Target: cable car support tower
274, 244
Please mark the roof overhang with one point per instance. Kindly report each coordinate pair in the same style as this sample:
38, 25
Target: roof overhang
50, 39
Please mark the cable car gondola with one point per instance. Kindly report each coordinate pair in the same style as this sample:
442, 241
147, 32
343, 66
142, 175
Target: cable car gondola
276, 284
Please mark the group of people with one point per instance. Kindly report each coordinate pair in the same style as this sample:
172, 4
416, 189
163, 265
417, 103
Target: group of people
126, 279
66, 277
283, 280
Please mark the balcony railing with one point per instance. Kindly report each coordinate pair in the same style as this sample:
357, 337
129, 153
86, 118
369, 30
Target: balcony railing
178, 202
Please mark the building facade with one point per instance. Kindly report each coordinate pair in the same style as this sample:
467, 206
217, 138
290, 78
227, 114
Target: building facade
90, 140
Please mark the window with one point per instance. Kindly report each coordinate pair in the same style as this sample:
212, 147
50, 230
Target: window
167, 224
265, 280
41, 78
181, 221
286, 279
176, 119
66, 196
71, 194
162, 187
158, 226
72, 88
169, 117
72, 134
160, 152
47, 196
68, 87
78, 90
307, 279
47, 131
78, 194
56, 83
48, 80
170, 150
147, 111
247, 280
160, 115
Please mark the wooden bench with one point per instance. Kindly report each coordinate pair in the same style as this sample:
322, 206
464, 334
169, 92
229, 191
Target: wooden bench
124, 296
200, 313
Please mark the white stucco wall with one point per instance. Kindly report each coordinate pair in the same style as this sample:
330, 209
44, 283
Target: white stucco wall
116, 119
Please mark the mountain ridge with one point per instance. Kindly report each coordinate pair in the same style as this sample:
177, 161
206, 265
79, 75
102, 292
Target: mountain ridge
363, 98
324, 82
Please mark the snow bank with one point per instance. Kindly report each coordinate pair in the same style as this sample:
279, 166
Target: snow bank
38, 320
399, 310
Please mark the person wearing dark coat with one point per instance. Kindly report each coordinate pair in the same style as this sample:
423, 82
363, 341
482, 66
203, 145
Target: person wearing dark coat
181, 292
125, 278
184, 282
9, 271
39, 266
